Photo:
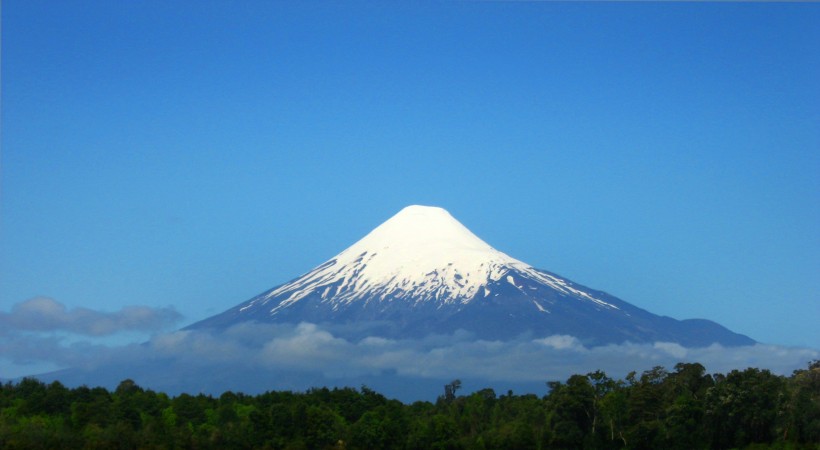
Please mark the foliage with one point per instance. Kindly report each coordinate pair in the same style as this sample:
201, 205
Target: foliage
680, 409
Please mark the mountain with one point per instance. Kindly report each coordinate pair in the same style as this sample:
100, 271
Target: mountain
422, 272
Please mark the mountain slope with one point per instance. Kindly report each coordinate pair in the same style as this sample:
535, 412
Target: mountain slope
423, 272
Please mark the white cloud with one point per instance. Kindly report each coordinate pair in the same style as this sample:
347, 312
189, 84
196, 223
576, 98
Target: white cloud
673, 349
252, 348
309, 347
43, 314
561, 341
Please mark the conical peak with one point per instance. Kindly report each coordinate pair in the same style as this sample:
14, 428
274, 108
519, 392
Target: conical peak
419, 225
422, 252
421, 211
421, 215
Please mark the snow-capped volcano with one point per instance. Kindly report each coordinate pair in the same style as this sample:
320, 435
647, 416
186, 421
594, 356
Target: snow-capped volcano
422, 254
422, 271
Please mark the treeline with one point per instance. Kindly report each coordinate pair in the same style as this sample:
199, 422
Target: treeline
680, 409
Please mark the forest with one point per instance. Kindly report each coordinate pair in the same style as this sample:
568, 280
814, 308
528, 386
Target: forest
682, 408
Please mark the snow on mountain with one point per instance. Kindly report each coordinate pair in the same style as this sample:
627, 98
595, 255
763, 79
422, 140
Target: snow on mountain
422, 253
422, 271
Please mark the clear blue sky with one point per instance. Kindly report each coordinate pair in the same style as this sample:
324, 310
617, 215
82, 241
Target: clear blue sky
193, 154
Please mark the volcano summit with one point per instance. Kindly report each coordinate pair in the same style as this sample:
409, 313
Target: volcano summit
423, 272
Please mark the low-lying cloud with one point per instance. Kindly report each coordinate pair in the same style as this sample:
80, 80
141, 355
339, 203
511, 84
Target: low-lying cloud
43, 314
267, 353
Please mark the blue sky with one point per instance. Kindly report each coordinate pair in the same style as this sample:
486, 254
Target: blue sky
189, 155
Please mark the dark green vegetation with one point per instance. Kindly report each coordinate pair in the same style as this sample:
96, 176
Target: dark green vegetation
680, 409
